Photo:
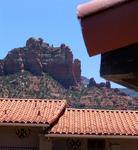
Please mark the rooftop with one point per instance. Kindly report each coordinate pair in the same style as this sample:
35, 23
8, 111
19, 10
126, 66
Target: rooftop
97, 122
65, 121
30, 111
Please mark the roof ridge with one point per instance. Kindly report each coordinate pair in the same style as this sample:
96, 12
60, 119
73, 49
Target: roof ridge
58, 114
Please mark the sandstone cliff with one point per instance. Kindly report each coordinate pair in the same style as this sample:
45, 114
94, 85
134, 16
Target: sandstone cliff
38, 57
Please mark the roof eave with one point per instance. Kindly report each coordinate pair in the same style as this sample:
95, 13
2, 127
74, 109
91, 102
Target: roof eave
25, 124
91, 136
101, 29
97, 6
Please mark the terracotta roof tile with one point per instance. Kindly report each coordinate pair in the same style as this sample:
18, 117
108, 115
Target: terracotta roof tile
97, 122
30, 111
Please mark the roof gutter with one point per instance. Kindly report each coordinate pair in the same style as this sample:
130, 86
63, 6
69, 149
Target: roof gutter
91, 136
24, 125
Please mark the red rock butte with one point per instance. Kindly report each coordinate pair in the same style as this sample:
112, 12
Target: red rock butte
39, 57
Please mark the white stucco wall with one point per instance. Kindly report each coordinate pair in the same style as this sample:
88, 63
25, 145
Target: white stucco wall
45, 143
122, 144
110, 144
63, 144
8, 137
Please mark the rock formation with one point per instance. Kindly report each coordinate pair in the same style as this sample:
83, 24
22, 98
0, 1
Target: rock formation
92, 83
38, 57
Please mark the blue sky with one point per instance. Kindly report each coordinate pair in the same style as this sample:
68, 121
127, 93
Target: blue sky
54, 21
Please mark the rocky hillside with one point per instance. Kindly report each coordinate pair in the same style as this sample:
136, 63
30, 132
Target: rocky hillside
102, 96
39, 57
26, 85
130, 92
42, 71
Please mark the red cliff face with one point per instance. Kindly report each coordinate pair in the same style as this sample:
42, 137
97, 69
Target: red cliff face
38, 57
77, 70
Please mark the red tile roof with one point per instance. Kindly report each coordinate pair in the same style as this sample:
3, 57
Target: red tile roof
97, 122
30, 111
72, 122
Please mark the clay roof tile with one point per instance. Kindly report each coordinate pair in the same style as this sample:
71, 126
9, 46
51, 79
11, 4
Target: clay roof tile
30, 111
97, 122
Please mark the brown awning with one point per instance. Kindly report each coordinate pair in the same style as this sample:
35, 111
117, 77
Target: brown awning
108, 24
